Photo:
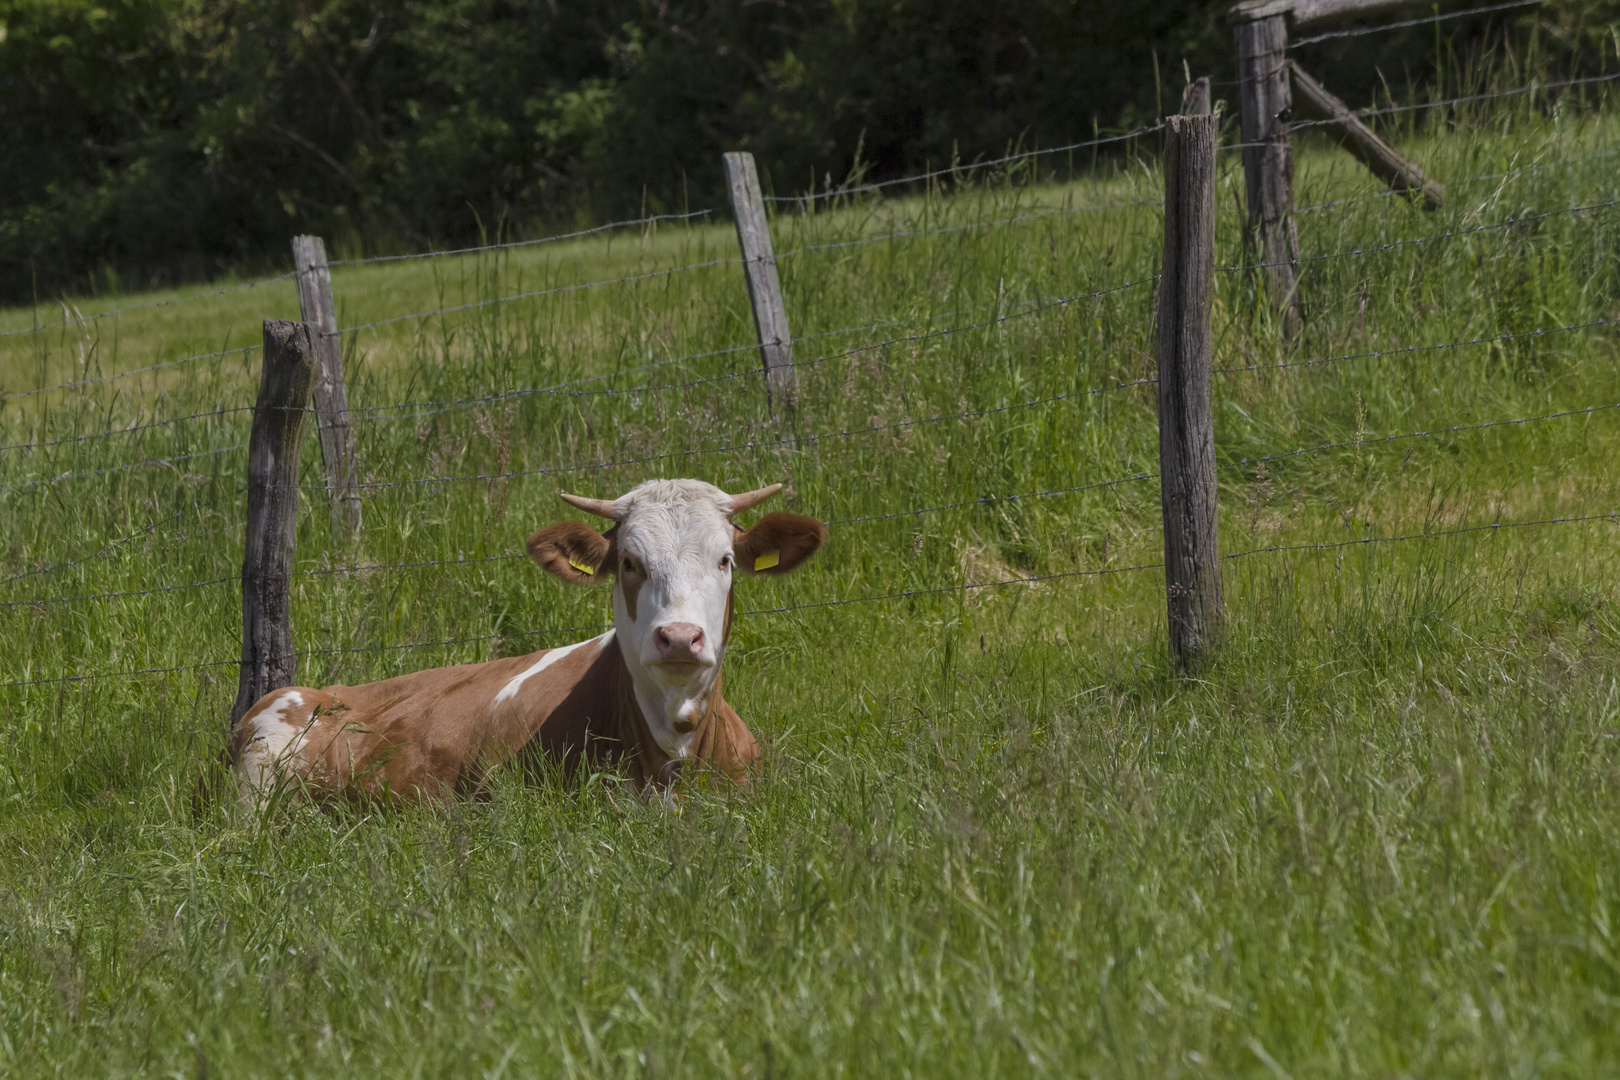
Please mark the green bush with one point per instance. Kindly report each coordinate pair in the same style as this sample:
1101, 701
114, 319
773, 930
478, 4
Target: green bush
175, 139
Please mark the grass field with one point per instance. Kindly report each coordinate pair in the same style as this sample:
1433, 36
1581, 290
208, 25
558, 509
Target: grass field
1379, 837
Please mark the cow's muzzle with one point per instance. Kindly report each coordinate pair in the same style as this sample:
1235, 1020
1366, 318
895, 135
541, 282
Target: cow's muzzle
680, 645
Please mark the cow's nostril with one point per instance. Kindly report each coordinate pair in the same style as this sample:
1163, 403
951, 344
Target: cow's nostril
677, 641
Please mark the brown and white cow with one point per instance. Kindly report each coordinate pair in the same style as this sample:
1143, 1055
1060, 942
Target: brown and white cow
642, 698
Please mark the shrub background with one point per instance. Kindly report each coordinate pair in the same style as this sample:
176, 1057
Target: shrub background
153, 141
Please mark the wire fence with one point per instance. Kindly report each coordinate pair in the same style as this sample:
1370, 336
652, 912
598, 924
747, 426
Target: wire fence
80, 383
1245, 462
514, 244
1361, 31
963, 169
82, 320
587, 387
902, 594
1491, 95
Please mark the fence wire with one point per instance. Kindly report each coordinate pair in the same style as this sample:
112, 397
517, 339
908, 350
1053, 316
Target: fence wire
1434, 535
1411, 349
518, 243
131, 430
79, 320
957, 170
984, 500
122, 468
1363, 30
965, 587
126, 374
476, 304
1449, 234
1393, 193
1362, 114
920, 233
434, 408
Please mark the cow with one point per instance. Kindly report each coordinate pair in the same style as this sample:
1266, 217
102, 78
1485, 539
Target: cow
643, 699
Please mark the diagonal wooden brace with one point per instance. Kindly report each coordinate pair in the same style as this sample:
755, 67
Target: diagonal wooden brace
1399, 172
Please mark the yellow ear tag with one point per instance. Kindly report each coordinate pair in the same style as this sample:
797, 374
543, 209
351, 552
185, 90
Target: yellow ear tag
582, 568
767, 560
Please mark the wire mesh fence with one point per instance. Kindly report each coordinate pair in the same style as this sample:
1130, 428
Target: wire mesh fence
894, 370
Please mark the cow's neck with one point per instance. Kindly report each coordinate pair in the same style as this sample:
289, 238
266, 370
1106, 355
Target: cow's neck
675, 715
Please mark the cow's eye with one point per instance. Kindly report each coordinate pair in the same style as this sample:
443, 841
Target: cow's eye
629, 567
725, 561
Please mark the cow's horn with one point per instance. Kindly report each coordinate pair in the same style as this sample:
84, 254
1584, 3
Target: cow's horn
599, 507
750, 499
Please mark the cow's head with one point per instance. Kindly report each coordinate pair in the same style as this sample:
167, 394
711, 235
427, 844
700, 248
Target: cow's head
671, 555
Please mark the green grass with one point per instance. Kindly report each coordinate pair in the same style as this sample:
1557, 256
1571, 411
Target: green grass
1378, 837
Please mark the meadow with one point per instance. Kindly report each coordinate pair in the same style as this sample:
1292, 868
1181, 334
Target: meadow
995, 833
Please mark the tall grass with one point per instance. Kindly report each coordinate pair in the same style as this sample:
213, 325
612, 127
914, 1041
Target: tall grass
993, 834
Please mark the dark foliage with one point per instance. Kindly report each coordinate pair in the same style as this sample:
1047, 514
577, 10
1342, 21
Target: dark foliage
171, 139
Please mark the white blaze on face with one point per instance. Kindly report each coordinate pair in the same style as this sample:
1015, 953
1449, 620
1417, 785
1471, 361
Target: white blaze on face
674, 544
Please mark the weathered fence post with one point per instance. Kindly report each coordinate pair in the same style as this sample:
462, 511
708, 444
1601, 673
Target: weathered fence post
331, 396
1382, 160
1195, 97
1268, 157
285, 382
1186, 421
764, 288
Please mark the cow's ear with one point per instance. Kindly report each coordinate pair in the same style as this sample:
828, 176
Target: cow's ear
778, 543
574, 552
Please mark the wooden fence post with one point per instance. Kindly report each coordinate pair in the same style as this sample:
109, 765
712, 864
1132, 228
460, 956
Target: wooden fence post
1268, 157
764, 288
285, 382
1192, 569
331, 396
1195, 97
1382, 160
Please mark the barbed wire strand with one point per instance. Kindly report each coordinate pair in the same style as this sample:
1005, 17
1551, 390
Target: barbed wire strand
874, 598
122, 468
1409, 349
918, 234
136, 535
126, 374
1422, 536
980, 501
44, 602
1362, 114
81, 319
786, 440
1362, 30
132, 429
1459, 183
957, 169
1028, 308
1433, 433
527, 296
1449, 234
433, 408
518, 243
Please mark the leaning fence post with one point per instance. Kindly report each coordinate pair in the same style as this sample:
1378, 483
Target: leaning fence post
1192, 569
331, 396
272, 511
1268, 158
1382, 160
764, 288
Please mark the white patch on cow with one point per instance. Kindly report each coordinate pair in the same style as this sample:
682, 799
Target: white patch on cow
510, 690
661, 711
273, 742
